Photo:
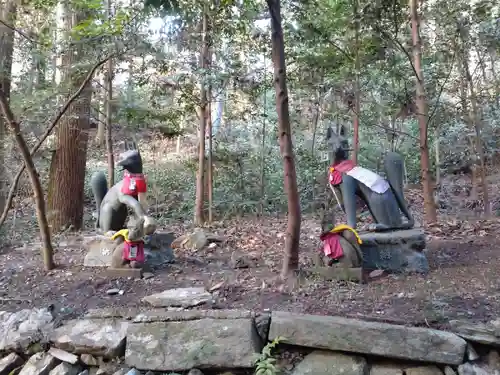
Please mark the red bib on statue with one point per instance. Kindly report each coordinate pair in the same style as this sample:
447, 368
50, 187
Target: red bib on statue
133, 251
336, 170
133, 184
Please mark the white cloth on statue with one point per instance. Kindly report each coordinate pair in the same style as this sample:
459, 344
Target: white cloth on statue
375, 182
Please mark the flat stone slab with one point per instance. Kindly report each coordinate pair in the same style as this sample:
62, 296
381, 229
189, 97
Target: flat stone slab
21, 329
395, 251
179, 297
356, 336
181, 346
483, 333
328, 363
99, 337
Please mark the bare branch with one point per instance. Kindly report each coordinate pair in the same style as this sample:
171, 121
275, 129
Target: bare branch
47, 132
20, 32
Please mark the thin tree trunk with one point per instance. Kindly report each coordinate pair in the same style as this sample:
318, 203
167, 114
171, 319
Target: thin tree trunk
263, 148
429, 207
199, 216
8, 13
109, 125
291, 256
437, 156
102, 105
109, 114
210, 182
355, 150
476, 121
47, 250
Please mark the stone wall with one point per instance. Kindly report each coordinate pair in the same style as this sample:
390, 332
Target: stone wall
196, 342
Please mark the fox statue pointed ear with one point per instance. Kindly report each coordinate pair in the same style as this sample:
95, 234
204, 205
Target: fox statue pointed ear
342, 131
329, 132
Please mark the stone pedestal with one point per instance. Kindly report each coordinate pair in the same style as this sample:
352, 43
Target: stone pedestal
395, 251
157, 250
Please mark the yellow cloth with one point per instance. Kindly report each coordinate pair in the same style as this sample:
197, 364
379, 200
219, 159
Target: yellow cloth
342, 227
121, 232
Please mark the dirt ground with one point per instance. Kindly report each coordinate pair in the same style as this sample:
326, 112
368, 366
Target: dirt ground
463, 282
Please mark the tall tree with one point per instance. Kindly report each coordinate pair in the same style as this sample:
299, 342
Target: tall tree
199, 216
67, 171
421, 103
291, 258
109, 112
474, 115
8, 14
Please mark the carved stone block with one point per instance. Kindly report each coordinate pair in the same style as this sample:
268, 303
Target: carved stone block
399, 251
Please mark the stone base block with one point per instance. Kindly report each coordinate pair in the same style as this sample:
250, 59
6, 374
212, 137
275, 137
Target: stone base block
135, 273
157, 251
395, 251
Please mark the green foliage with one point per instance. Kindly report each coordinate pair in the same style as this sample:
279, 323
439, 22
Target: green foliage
266, 363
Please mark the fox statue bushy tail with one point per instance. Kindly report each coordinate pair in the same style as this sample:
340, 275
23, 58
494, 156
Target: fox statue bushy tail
99, 185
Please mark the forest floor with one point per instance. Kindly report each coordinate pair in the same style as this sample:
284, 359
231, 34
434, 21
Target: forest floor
463, 282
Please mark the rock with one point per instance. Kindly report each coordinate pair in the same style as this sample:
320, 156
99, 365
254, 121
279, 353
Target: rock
262, 322
122, 371
21, 329
239, 260
423, 370
39, 364
133, 371
179, 297
9, 363
494, 360
99, 337
195, 371
196, 240
65, 369
183, 345
473, 369
395, 251
84, 372
471, 353
449, 371
328, 363
89, 360
63, 355
147, 275
487, 334
388, 340
158, 250
386, 369
113, 291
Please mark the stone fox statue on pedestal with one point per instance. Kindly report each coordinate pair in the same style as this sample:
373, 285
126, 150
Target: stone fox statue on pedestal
384, 197
112, 205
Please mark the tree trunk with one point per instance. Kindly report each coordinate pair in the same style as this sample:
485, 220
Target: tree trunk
69, 159
210, 167
8, 13
199, 216
291, 258
437, 156
47, 250
355, 150
429, 207
101, 123
476, 121
109, 114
